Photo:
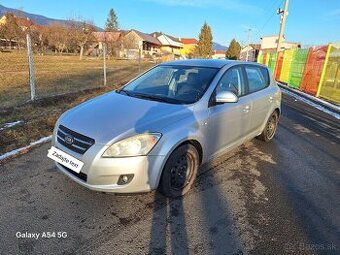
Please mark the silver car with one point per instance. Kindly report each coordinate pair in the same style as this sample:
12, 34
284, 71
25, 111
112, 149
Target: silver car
157, 130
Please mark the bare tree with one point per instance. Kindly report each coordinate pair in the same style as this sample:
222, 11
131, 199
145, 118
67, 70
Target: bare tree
130, 42
57, 36
81, 33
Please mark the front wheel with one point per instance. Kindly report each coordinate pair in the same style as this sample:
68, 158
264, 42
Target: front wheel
180, 171
270, 128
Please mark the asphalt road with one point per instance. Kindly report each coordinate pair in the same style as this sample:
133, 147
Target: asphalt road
276, 198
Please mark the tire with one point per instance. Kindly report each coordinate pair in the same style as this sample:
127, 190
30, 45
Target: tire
180, 171
269, 130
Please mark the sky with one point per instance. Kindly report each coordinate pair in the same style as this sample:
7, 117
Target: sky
310, 22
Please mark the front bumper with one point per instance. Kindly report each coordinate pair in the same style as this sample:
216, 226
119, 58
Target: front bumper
102, 174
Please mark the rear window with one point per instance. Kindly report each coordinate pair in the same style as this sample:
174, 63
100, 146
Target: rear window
258, 78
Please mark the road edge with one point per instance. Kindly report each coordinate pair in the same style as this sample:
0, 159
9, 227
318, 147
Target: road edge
323, 103
25, 149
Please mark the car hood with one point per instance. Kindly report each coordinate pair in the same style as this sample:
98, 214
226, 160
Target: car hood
114, 115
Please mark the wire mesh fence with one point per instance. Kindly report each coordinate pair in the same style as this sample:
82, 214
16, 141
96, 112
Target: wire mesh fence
56, 74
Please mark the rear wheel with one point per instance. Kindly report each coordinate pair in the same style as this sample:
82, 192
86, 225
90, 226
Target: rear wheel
180, 171
270, 128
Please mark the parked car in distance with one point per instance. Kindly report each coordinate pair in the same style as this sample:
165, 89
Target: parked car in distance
154, 132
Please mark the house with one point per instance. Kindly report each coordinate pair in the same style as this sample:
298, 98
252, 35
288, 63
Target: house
250, 52
113, 40
189, 45
134, 40
269, 43
169, 44
218, 54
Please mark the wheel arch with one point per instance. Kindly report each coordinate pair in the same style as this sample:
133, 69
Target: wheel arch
191, 141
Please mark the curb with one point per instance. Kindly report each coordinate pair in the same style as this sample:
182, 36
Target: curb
332, 107
14, 153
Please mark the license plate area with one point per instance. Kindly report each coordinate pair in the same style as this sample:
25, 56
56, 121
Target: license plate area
65, 159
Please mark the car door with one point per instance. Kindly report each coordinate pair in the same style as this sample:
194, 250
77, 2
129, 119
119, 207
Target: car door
258, 80
229, 122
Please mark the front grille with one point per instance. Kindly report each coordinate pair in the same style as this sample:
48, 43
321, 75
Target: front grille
79, 144
81, 175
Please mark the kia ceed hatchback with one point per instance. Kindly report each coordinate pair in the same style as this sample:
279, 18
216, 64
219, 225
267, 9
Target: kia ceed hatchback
157, 130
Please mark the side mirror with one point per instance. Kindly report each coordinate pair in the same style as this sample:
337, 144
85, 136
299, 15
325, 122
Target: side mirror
225, 97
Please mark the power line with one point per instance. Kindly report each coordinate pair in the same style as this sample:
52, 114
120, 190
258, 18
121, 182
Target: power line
269, 19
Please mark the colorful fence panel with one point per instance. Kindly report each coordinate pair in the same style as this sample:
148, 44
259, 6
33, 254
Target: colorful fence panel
265, 56
315, 71
286, 65
297, 67
272, 61
278, 66
260, 58
313, 68
267, 59
329, 87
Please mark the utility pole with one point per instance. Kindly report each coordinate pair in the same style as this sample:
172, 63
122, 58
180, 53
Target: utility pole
249, 36
282, 23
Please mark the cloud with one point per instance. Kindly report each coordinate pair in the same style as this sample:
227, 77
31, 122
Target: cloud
235, 5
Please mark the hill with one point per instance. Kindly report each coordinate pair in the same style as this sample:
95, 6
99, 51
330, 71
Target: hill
217, 46
39, 19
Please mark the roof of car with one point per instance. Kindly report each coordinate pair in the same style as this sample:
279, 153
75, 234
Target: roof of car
215, 63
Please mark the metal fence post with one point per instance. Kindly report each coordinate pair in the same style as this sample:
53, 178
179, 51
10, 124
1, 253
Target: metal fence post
31, 66
140, 45
104, 55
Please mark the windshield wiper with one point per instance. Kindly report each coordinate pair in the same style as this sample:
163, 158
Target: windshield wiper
151, 97
158, 98
124, 91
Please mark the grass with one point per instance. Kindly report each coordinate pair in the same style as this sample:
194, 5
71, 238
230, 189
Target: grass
57, 75
77, 80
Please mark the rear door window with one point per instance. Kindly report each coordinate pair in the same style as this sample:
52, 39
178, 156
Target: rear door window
258, 78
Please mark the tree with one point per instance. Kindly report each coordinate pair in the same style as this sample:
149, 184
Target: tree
10, 31
234, 50
57, 35
204, 46
111, 21
81, 33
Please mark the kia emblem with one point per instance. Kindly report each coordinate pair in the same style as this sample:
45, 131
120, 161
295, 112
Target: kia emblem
69, 139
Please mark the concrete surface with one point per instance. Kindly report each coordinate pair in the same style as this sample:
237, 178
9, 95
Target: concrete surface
276, 198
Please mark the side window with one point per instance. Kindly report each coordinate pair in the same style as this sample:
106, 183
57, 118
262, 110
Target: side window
258, 78
232, 81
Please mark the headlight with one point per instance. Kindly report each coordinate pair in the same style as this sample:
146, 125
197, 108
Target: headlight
138, 145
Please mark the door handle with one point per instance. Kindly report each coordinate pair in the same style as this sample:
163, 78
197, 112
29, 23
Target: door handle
271, 99
246, 109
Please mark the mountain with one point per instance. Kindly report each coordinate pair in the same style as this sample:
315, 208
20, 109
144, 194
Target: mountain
39, 19
217, 46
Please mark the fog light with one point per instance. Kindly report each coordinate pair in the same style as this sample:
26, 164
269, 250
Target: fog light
125, 179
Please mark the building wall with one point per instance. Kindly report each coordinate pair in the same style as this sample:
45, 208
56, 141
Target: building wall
169, 49
3, 20
218, 56
270, 42
187, 49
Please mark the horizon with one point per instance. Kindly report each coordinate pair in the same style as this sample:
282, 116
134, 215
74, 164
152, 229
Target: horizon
322, 20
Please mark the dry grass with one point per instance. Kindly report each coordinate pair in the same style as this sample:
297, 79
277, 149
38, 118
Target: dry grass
55, 75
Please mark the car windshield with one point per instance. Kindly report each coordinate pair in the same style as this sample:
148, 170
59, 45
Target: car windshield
171, 84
